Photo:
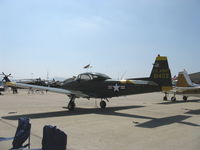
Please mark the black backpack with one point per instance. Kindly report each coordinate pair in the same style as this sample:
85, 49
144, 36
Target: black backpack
22, 133
53, 138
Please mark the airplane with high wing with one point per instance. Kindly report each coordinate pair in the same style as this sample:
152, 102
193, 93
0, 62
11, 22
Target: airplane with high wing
97, 85
185, 87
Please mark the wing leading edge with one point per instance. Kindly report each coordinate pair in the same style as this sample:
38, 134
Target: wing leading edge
55, 90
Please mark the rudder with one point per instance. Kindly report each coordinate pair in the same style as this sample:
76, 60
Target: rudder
184, 80
161, 73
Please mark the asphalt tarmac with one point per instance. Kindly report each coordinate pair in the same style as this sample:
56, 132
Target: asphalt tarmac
138, 122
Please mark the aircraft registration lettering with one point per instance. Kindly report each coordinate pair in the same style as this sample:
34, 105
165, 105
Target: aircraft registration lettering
164, 70
161, 76
161, 71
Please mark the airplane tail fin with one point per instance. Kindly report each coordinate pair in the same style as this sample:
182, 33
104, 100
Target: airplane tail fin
184, 80
161, 73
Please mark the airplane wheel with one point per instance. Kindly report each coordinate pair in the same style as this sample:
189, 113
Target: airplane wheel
165, 98
103, 104
71, 106
185, 98
173, 99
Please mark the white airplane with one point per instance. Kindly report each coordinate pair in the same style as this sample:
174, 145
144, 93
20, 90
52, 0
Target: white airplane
185, 87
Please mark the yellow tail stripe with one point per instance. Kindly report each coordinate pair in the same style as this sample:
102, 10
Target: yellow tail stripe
161, 58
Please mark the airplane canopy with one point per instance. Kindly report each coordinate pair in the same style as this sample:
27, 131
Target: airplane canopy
92, 76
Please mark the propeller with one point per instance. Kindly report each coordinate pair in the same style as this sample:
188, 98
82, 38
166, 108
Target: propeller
6, 77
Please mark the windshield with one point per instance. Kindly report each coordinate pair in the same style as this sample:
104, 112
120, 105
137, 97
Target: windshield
85, 77
92, 76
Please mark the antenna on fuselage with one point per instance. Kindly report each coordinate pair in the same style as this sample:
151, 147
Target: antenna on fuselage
123, 75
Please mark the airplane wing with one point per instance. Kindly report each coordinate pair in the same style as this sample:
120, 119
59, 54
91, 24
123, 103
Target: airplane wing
181, 89
143, 82
139, 82
55, 90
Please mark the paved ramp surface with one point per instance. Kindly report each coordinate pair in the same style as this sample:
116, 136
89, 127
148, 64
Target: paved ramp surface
134, 122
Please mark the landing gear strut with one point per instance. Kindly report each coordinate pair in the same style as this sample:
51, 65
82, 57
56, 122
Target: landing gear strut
71, 104
165, 97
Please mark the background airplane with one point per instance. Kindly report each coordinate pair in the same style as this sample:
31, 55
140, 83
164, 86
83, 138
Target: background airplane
36, 81
1, 87
195, 77
97, 85
186, 87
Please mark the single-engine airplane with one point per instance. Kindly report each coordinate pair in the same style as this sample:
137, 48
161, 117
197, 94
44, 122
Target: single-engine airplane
185, 87
96, 85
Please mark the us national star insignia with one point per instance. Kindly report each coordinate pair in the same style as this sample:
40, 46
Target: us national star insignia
116, 87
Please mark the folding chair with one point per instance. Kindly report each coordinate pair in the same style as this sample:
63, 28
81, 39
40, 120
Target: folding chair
22, 134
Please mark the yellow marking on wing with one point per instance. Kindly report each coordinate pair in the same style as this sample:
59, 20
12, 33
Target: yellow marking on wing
10, 84
126, 82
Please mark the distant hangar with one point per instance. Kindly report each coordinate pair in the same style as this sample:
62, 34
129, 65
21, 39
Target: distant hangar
195, 77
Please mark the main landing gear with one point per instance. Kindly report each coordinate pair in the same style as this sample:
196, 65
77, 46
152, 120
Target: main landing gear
165, 97
173, 98
185, 98
71, 104
103, 103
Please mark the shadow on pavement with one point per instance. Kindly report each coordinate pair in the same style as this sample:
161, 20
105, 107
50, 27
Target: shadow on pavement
158, 122
179, 102
79, 111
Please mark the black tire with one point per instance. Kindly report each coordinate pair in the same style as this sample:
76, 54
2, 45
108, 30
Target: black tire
185, 98
71, 106
173, 99
103, 104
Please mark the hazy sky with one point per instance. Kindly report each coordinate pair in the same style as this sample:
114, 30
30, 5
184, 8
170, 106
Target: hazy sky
116, 36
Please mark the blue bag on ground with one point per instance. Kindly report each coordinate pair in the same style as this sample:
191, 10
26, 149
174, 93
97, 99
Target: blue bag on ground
22, 133
53, 138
